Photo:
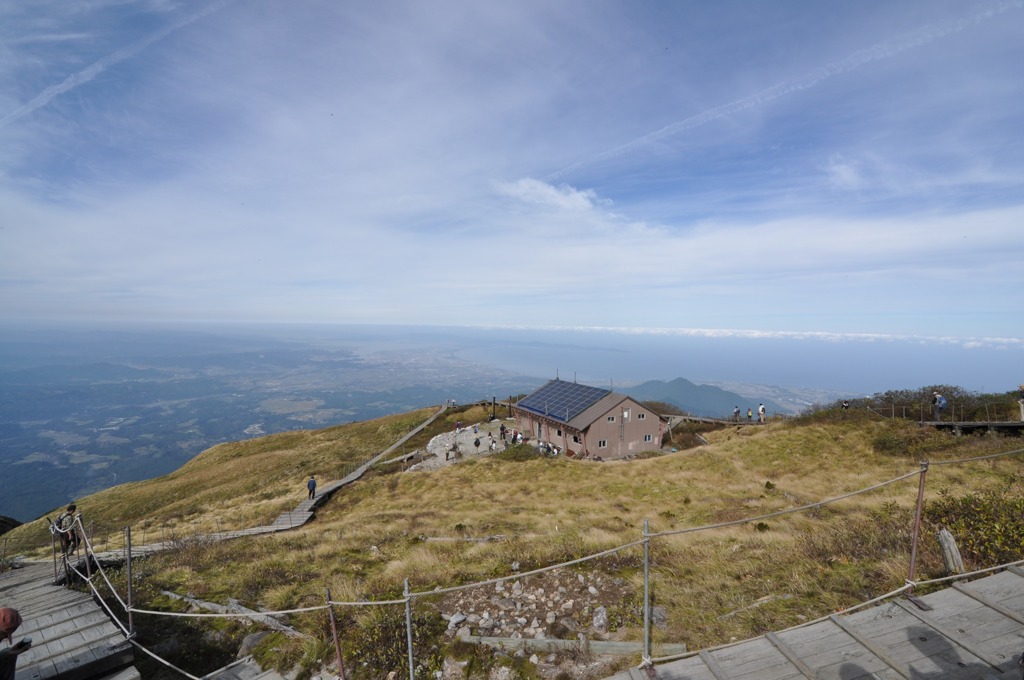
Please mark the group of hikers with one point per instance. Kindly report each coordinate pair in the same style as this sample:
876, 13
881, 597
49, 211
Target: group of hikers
762, 414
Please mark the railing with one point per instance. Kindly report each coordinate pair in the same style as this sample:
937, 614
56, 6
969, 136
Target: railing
955, 412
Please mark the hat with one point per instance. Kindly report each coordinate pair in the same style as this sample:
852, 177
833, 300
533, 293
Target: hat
10, 619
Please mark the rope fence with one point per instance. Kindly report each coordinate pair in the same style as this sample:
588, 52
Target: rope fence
409, 596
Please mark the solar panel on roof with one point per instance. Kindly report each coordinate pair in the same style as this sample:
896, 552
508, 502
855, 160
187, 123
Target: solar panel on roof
562, 400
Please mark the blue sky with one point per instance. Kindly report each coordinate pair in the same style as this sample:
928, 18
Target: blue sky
760, 169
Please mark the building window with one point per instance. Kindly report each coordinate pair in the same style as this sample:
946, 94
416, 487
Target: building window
611, 419
641, 416
625, 414
575, 439
602, 443
648, 438
558, 433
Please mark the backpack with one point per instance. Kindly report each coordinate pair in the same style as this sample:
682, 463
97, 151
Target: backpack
942, 402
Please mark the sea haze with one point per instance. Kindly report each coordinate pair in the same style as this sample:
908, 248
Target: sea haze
84, 408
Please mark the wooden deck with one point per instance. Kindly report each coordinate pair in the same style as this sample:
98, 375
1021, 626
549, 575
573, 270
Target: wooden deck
970, 631
72, 636
1011, 428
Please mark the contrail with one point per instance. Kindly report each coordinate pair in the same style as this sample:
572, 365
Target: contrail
87, 74
916, 38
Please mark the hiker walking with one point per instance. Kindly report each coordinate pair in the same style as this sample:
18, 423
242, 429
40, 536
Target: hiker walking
311, 486
938, 404
66, 530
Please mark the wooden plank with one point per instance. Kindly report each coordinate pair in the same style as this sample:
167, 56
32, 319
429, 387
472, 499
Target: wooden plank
880, 653
756, 659
787, 652
124, 674
712, 664
825, 646
953, 635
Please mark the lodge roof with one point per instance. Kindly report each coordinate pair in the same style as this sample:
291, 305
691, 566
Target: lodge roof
561, 400
571, 403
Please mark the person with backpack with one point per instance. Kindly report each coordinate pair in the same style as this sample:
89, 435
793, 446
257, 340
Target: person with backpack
65, 525
311, 487
938, 404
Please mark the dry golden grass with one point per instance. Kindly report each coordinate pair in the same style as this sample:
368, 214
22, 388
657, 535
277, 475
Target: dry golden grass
731, 582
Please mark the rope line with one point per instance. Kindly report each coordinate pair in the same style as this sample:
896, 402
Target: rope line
452, 589
163, 661
110, 612
89, 551
977, 458
786, 511
230, 615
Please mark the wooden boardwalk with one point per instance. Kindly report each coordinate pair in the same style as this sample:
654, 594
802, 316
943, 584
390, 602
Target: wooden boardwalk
290, 519
1014, 428
72, 637
970, 631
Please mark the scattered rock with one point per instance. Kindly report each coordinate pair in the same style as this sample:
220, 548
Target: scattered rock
601, 620
249, 643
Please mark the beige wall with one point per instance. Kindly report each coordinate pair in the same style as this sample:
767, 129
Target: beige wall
624, 435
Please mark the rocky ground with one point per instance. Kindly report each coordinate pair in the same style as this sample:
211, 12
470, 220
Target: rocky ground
562, 604
451, 447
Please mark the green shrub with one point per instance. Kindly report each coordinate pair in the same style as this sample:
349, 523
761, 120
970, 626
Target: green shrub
519, 453
987, 527
378, 645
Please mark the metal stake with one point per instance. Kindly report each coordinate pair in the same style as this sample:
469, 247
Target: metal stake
408, 629
334, 632
128, 554
917, 522
647, 593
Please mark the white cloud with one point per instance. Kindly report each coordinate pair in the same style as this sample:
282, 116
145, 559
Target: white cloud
538, 193
204, 165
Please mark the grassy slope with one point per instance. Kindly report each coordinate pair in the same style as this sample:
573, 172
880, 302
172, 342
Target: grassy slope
727, 583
